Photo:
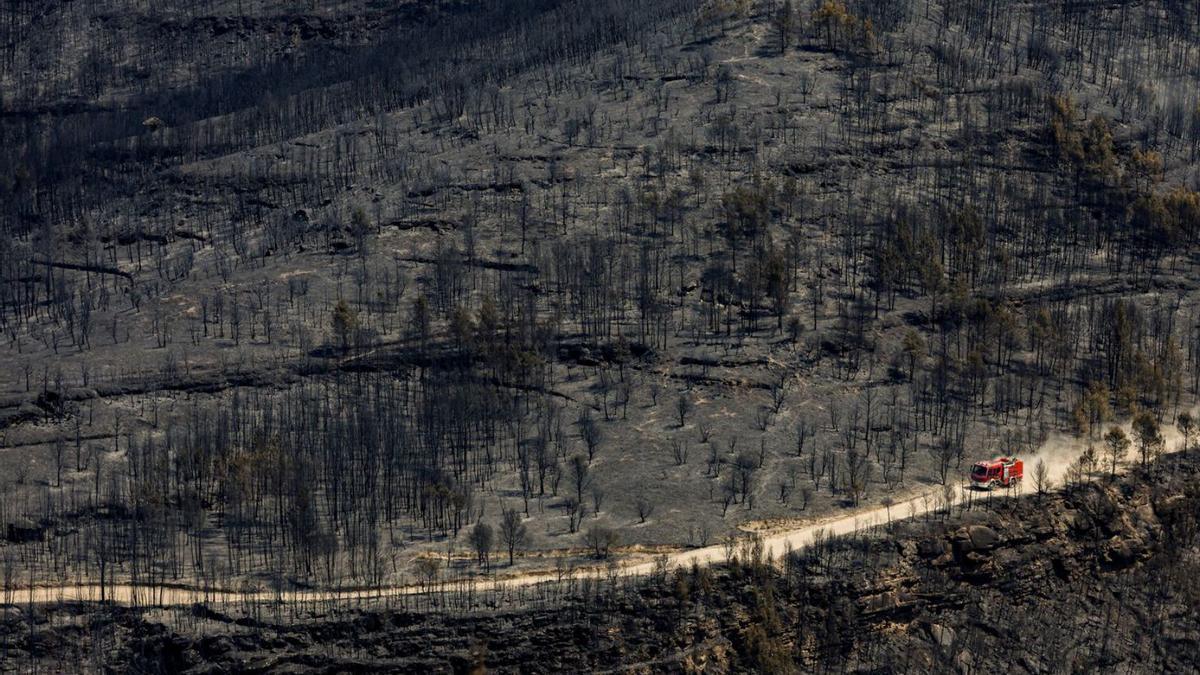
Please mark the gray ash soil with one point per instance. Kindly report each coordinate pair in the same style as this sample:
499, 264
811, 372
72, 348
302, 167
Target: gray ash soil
1099, 577
301, 296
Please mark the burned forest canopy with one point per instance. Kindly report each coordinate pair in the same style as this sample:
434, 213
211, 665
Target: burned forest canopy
376, 294
1098, 577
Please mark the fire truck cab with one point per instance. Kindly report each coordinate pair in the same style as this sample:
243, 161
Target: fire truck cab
1001, 471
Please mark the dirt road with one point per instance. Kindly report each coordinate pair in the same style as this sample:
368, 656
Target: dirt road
1058, 453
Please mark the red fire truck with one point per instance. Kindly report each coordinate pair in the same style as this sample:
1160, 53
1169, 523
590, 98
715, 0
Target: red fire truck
1001, 471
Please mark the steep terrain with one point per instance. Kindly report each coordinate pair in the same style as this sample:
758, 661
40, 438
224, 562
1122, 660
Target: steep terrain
1100, 577
311, 304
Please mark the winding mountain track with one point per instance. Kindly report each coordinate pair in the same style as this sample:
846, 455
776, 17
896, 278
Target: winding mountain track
1057, 453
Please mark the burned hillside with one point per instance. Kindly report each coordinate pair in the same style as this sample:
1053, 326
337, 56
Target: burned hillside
305, 297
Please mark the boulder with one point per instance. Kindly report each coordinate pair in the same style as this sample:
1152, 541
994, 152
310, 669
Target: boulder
1120, 552
975, 539
964, 661
942, 636
983, 538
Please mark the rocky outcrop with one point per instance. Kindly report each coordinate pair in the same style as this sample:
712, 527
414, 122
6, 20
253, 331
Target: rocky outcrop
1100, 578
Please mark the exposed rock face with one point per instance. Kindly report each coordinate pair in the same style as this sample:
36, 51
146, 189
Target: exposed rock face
1101, 578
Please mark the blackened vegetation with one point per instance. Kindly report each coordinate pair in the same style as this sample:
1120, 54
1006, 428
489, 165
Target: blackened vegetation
449, 53
355, 292
1101, 577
